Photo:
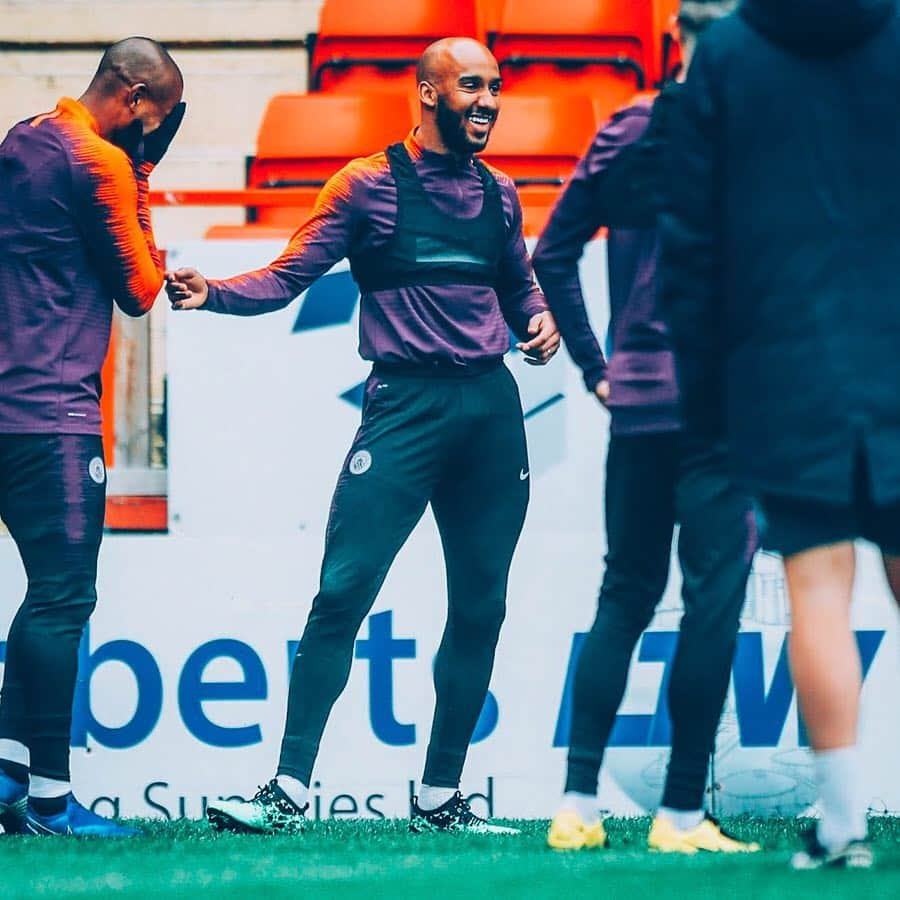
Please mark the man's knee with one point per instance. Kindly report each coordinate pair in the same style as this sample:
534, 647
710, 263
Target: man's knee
61, 604
626, 611
481, 619
345, 596
634, 585
345, 583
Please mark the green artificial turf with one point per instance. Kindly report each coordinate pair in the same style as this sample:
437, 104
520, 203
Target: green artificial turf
375, 860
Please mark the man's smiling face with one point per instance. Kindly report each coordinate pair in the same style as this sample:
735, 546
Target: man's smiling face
468, 98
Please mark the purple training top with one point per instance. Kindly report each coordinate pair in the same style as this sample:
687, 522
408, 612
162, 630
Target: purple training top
447, 325
641, 367
74, 234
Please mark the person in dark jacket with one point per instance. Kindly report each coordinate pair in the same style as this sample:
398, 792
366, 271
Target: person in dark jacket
656, 476
75, 236
779, 252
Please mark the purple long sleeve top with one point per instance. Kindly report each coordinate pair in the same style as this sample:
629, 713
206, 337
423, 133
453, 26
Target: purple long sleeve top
75, 236
643, 394
446, 325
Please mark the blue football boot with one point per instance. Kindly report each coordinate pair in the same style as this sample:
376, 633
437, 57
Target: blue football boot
13, 803
76, 820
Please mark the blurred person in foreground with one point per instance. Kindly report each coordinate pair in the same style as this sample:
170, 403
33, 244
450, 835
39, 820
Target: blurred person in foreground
75, 236
434, 239
780, 271
657, 476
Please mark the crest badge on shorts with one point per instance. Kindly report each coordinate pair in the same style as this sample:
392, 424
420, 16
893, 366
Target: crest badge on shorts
97, 470
360, 462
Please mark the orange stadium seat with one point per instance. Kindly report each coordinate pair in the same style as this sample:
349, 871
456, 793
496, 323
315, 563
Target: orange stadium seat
537, 141
605, 48
491, 14
665, 54
373, 47
305, 138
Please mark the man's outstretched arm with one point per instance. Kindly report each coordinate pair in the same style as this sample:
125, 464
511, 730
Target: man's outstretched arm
319, 243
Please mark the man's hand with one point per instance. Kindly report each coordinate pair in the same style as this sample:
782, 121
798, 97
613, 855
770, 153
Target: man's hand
540, 349
602, 391
157, 142
186, 288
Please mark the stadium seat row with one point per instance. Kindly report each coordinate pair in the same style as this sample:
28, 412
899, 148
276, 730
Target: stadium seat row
570, 66
594, 47
537, 141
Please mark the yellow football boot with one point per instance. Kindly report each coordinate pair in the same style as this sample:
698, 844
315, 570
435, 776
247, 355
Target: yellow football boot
664, 837
569, 832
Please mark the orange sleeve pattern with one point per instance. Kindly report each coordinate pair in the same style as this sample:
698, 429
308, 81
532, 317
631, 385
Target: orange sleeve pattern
113, 210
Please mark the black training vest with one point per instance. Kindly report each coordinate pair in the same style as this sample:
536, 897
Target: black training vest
430, 247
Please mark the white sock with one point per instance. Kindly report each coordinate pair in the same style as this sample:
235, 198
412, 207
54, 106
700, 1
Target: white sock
14, 752
843, 810
584, 804
294, 788
682, 819
48, 788
433, 797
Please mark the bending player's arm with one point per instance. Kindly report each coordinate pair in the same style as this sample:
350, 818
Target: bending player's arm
690, 250
112, 203
521, 300
316, 246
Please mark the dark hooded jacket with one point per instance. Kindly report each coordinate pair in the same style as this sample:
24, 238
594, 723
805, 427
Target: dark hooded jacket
781, 244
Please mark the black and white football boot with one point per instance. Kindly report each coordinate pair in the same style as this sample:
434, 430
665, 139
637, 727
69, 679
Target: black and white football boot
269, 811
454, 815
854, 855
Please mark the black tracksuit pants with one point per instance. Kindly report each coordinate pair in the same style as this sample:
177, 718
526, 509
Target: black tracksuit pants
459, 444
652, 482
52, 499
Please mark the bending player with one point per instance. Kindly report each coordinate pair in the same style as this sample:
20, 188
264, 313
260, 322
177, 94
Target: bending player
74, 236
434, 239
656, 476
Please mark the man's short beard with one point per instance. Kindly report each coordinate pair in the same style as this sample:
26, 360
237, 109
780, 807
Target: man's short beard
452, 128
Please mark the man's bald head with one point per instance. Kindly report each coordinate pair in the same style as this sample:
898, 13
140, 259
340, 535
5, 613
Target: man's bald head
136, 86
449, 56
139, 61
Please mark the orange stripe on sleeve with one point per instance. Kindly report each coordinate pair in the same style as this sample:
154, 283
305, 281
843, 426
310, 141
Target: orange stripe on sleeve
114, 212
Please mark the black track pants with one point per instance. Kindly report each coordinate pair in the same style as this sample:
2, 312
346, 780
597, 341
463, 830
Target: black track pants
459, 444
52, 499
652, 482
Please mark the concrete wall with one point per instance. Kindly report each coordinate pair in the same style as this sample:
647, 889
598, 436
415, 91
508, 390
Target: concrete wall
234, 54
167, 20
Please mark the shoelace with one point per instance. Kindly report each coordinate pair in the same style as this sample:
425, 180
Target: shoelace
266, 793
263, 792
280, 811
464, 811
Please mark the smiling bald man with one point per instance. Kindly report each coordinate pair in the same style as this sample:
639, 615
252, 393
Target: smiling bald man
434, 239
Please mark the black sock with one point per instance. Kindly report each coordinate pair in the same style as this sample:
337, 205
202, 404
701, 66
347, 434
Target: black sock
48, 806
15, 770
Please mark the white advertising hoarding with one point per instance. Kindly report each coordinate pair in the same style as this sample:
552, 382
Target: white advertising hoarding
184, 672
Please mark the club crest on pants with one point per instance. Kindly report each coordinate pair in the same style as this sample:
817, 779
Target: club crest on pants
97, 470
360, 462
